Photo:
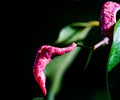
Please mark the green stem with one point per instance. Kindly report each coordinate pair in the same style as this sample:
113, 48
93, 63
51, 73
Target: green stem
93, 23
105, 41
107, 84
89, 57
89, 24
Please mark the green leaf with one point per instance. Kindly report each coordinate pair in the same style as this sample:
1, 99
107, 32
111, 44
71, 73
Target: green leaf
65, 34
79, 35
71, 34
56, 69
114, 56
75, 32
38, 98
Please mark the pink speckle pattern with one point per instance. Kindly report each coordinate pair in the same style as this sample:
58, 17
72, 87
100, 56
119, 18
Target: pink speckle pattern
108, 18
43, 57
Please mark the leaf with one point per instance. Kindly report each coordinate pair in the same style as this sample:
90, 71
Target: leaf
38, 98
72, 34
114, 56
65, 34
79, 35
69, 33
57, 67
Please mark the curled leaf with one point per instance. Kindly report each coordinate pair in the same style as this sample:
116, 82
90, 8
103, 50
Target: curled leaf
43, 57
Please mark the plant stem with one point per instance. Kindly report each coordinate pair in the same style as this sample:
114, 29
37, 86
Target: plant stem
89, 57
92, 23
105, 41
88, 24
83, 46
107, 84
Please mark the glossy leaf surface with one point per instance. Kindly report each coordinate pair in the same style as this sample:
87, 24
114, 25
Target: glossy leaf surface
114, 57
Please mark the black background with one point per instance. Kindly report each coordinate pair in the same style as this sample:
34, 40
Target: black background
38, 23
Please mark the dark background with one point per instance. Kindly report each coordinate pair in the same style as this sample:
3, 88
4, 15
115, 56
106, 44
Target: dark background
38, 23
